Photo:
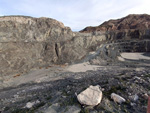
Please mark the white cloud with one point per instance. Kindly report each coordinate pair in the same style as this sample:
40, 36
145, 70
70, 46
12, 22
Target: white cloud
76, 14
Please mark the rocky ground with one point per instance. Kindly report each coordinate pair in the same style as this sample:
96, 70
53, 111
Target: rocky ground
131, 81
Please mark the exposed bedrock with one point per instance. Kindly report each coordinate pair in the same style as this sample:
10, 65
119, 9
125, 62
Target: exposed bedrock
27, 43
128, 23
112, 50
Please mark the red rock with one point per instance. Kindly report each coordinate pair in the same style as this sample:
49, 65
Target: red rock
130, 22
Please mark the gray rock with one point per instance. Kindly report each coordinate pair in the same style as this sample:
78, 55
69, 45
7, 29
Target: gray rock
29, 105
117, 98
91, 96
134, 98
132, 104
72, 109
56, 108
27, 43
53, 108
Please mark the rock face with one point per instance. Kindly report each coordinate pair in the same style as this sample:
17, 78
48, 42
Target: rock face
129, 27
27, 43
130, 22
128, 34
91, 96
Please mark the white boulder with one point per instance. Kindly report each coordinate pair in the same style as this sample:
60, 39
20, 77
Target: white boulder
91, 96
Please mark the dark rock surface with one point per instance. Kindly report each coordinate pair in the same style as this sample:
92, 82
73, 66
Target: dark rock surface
124, 81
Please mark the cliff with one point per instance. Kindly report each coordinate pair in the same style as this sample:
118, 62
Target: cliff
130, 22
130, 27
27, 43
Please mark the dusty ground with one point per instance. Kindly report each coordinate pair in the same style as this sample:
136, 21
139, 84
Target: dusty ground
135, 56
53, 89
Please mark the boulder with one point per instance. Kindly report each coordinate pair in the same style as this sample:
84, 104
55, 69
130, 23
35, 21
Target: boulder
91, 96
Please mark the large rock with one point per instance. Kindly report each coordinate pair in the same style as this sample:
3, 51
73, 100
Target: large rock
91, 96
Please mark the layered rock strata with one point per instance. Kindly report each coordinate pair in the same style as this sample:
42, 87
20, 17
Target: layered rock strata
27, 43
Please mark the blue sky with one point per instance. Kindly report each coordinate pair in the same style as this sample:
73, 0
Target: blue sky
76, 14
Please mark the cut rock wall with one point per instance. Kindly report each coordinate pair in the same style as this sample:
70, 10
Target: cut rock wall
27, 43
